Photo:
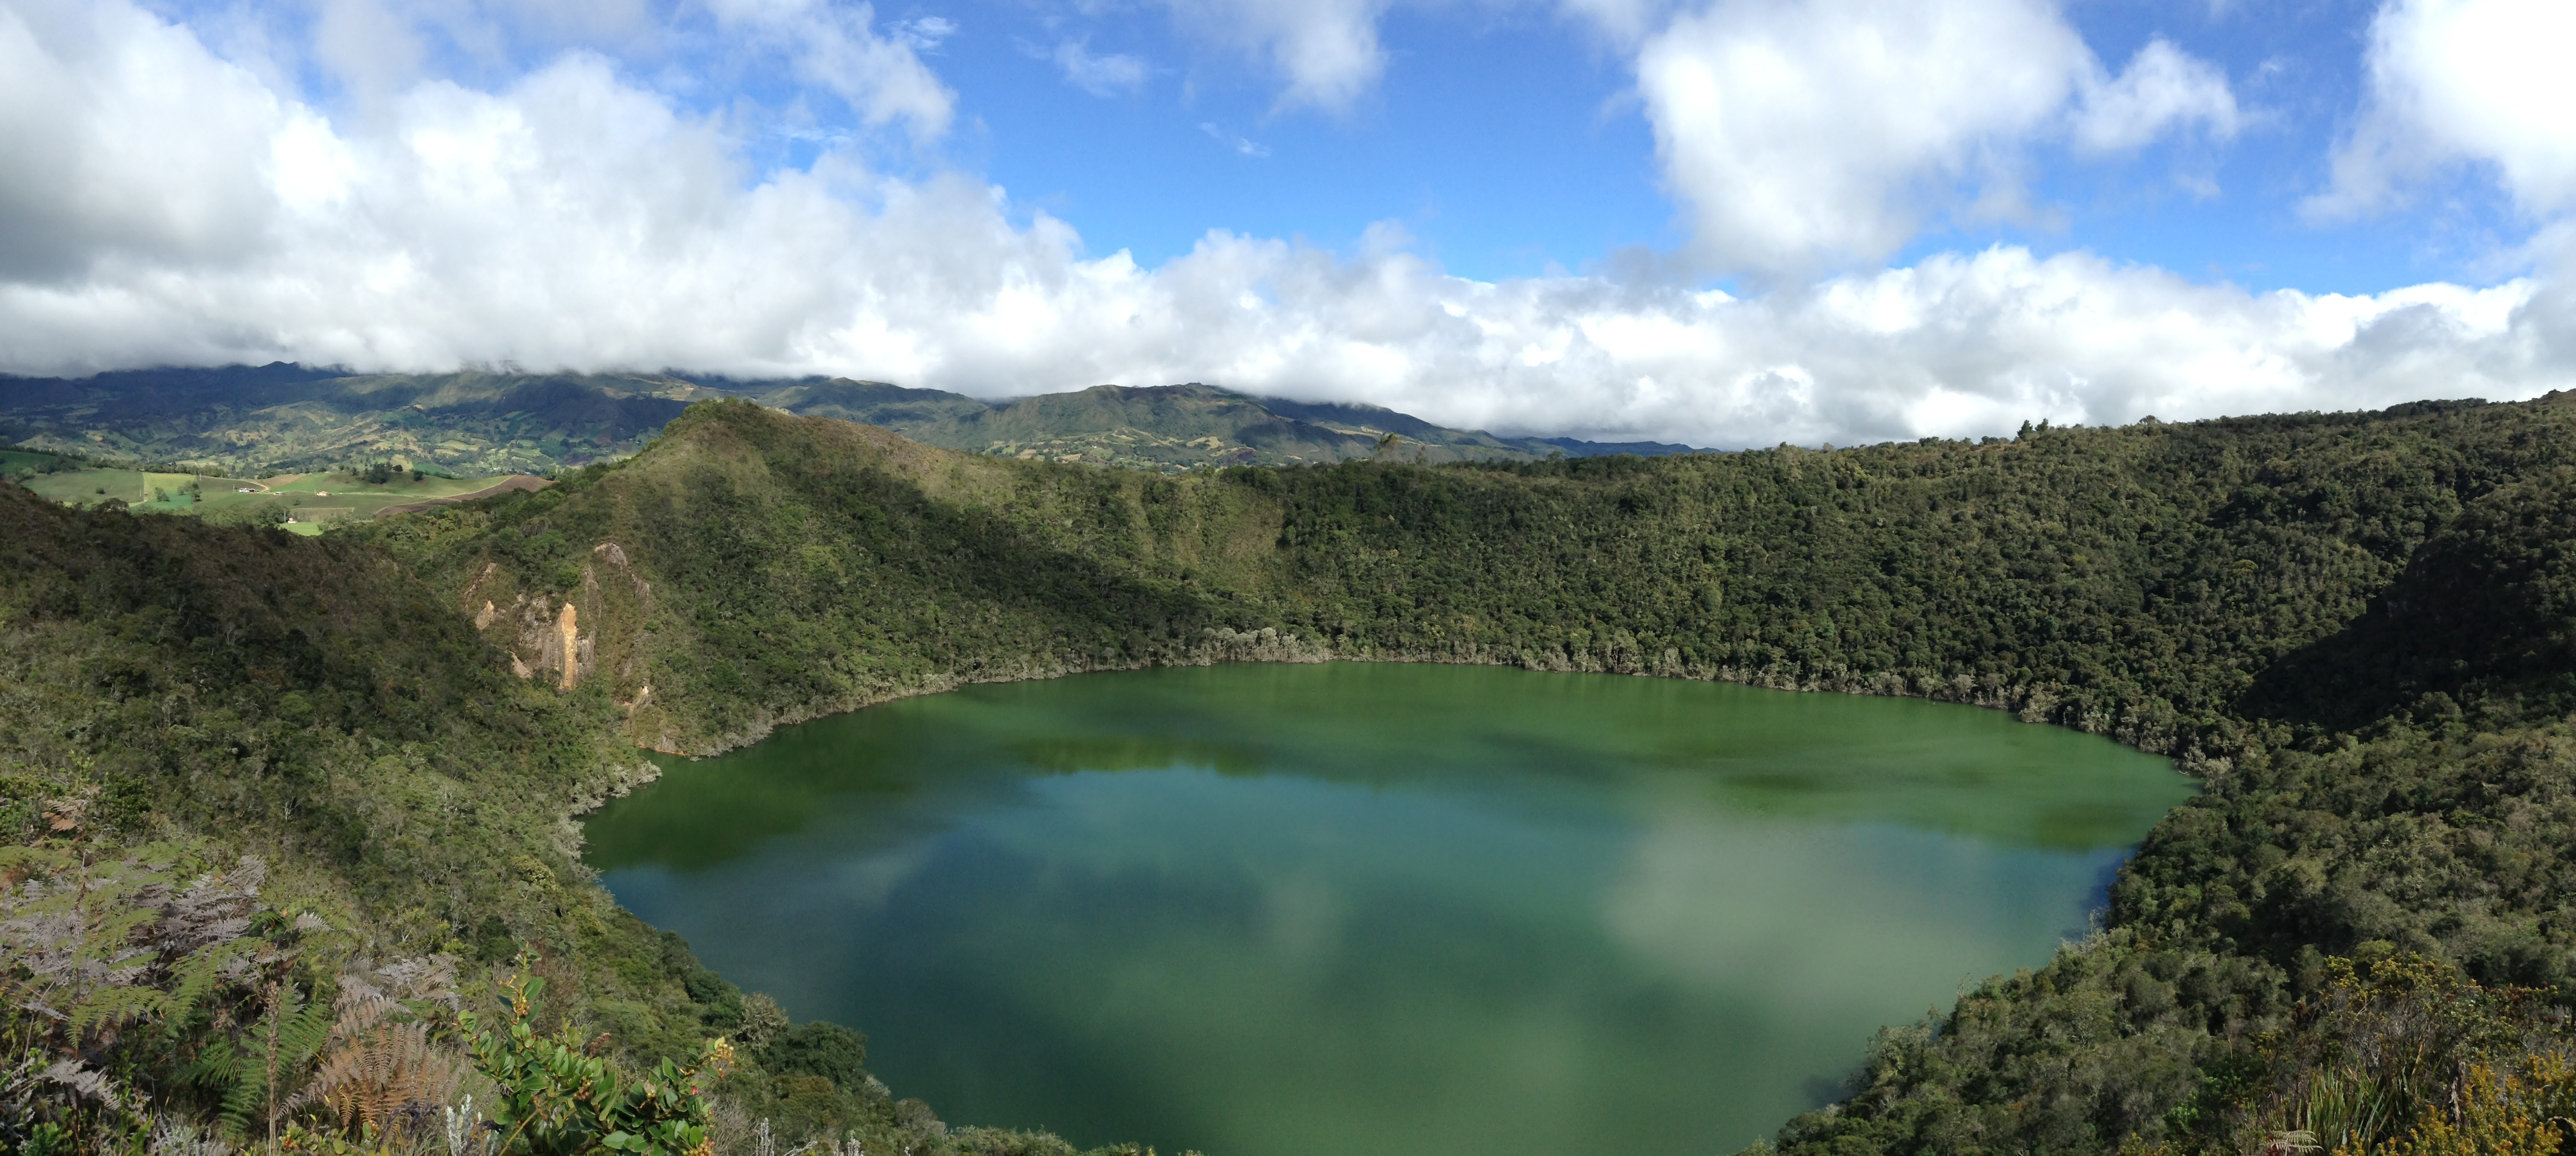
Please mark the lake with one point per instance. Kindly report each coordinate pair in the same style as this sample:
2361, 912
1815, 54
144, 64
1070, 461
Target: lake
1381, 908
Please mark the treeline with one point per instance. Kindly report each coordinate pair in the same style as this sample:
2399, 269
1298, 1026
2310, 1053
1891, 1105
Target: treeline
2356, 628
2134, 581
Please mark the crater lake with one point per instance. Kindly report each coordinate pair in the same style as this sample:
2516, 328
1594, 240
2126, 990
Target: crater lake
1368, 908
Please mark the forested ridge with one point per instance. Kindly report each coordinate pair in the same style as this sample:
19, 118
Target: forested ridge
257, 421
2354, 628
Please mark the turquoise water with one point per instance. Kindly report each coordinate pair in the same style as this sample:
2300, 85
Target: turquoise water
1366, 908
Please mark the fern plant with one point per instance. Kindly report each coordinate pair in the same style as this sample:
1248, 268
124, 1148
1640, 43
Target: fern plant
105, 956
96, 944
377, 1065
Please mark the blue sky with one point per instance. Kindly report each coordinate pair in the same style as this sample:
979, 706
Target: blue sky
1507, 142
1501, 142
1722, 221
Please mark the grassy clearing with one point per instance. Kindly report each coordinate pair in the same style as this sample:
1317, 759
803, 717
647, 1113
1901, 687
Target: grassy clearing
12, 461
309, 499
158, 492
305, 501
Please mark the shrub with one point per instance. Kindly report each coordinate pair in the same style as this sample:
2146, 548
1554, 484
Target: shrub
556, 1098
828, 1050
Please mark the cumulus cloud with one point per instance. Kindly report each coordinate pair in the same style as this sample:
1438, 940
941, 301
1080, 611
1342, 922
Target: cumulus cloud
2479, 81
1326, 51
837, 48
1813, 134
94, 168
572, 219
2162, 88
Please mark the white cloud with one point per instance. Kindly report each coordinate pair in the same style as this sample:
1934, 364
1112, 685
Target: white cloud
574, 220
367, 45
2162, 88
2481, 81
1328, 54
1802, 133
94, 166
835, 47
1814, 134
1326, 50
377, 48
925, 32
1110, 75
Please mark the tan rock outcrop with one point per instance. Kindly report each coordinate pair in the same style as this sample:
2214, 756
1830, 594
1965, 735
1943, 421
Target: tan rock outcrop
571, 646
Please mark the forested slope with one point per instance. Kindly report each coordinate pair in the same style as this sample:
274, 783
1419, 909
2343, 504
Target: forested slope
175, 696
2356, 628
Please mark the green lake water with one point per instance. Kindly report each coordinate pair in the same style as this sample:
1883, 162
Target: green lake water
1381, 908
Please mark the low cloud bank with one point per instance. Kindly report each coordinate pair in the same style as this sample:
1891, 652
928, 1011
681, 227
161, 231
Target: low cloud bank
169, 207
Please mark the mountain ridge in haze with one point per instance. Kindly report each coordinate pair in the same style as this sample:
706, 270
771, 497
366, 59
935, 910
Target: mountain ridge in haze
252, 419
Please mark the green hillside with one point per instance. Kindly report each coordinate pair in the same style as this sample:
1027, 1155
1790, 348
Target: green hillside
1169, 428
251, 423
280, 418
2353, 627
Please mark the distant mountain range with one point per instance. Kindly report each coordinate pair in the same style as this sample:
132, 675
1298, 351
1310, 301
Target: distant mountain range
250, 420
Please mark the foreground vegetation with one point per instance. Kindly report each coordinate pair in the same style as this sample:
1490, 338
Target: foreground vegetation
2356, 629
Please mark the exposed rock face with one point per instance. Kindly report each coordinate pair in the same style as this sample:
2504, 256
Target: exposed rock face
548, 639
540, 642
562, 641
570, 647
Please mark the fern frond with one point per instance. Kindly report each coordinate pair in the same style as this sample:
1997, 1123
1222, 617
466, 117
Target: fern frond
431, 979
199, 971
119, 927
214, 1069
112, 1006
371, 1078
301, 1036
293, 1031
34, 860
243, 1100
359, 1008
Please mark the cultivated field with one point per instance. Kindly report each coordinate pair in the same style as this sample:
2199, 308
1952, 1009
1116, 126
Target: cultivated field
303, 503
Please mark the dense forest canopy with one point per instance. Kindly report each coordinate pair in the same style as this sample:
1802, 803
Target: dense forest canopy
2355, 628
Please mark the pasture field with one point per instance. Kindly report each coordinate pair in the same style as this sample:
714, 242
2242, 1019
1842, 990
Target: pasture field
141, 490
307, 502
